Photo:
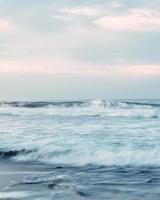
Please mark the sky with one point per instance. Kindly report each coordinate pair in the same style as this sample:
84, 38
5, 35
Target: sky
84, 49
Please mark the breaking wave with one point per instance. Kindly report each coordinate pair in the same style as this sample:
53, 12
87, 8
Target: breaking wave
93, 108
98, 132
92, 103
41, 104
12, 153
101, 157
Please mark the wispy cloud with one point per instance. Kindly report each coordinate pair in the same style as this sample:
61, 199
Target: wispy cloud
61, 17
71, 14
90, 11
117, 4
69, 67
134, 20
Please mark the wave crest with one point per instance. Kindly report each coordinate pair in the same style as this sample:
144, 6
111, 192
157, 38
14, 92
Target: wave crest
93, 103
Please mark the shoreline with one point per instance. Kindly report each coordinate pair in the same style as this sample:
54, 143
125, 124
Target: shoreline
11, 171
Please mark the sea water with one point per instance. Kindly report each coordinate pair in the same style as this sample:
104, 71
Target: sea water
99, 149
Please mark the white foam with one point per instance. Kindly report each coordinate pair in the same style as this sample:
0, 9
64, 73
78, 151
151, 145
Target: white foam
73, 135
133, 112
132, 157
97, 103
13, 194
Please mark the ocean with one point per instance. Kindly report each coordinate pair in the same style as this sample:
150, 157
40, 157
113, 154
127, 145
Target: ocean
87, 150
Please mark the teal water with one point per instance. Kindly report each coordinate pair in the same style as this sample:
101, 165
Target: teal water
102, 149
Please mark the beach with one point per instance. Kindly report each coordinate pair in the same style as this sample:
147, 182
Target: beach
11, 174
36, 181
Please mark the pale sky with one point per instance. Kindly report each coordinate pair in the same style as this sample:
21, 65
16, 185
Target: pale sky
67, 49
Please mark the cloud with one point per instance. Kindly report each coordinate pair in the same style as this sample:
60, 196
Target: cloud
4, 25
142, 70
133, 20
90, 11
61, 17
70, 67
116, 4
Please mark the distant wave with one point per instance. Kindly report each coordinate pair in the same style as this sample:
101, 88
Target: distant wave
66, 104
41, 104
92, 108
143, 104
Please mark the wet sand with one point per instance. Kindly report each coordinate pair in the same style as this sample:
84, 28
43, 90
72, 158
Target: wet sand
11, 172
13, 186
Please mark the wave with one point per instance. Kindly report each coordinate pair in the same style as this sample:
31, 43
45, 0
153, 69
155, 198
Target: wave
13, 153
92, 103
41, 104
132, 113
83, 109
143, 104
101, 157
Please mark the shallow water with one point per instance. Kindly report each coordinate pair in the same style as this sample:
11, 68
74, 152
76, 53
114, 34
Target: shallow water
99, 149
